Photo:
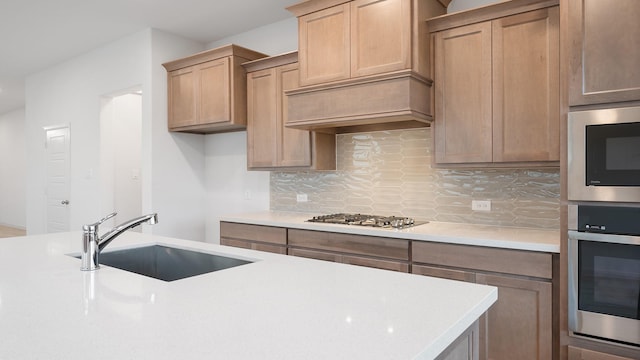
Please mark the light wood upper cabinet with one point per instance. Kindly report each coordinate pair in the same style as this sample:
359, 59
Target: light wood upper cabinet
340, 40
497, 87
463, 94
324, 45
207, 91
604, 51
380, 36
271, 145
526, 83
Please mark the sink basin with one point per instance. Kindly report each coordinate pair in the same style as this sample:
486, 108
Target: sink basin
167, 263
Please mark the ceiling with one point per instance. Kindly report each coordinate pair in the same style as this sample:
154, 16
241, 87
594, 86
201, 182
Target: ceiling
36, 34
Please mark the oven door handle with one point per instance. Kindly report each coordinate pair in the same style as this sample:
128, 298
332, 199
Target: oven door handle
610, 238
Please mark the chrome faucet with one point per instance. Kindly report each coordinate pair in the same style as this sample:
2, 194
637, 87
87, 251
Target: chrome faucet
93, 244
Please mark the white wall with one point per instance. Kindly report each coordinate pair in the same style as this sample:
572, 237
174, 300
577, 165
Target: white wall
70, 93
177, 163
230, 187
120, 156
12, 169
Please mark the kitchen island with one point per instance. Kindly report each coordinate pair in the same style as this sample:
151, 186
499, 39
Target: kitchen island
276, 307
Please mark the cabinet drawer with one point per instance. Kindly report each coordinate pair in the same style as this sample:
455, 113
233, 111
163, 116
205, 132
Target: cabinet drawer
444, 273
266, 234
478, 258
277, 249
349, 243
576, 353
352, 260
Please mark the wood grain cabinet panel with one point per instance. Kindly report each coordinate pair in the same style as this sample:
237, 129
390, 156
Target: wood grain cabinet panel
364, 65
350, 243
342, 40
182, 97
207, 91
526, 83
576, 353
462, 83
508, 261
604, 51
497, 88
262, 119
371, 251
351, 259
519, 325
256, 237
324, 41
380, 36
270, 144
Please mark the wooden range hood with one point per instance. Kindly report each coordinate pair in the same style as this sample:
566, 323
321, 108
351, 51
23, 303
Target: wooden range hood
396, 100
364, 65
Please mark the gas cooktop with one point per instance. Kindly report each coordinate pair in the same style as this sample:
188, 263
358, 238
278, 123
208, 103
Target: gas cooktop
368, 220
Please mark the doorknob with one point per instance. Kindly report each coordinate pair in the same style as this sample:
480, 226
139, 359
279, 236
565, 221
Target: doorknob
64, 202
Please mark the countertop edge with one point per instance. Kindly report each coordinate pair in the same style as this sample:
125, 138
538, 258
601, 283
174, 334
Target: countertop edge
452, 233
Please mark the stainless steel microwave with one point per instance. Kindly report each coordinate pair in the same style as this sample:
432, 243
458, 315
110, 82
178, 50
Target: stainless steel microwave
604, 155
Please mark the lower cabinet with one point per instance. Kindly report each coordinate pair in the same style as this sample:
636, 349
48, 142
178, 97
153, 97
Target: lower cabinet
256, 237
520, 324
371, 251
465, 347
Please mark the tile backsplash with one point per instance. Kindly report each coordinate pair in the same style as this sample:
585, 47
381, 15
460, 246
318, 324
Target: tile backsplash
390, 173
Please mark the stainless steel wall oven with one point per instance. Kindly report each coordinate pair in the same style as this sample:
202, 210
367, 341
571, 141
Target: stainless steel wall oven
604, 272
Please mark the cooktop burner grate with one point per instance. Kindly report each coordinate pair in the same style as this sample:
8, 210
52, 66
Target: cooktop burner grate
396, 222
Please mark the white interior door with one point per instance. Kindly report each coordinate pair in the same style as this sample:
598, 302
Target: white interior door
57, 182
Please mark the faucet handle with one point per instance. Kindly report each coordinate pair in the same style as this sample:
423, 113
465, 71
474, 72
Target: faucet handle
106, 218
94, 227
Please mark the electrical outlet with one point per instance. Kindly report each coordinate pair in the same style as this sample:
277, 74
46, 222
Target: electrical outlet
302, 198
247, 194
481, 205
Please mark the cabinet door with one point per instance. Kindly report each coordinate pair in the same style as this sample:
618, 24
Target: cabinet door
182, 97
526, 80
262, 118
294, 145
380, 36
462, 82
518, 325
604, 51
324, 45
214, 92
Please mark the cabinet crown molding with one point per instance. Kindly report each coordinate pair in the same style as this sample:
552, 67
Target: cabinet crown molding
271, 61
213, 54
485, 13
310, 6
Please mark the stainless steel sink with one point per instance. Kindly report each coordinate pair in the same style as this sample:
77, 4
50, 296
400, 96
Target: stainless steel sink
167, 263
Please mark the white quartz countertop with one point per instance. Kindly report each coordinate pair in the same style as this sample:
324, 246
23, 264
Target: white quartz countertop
278, 307
453, 233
